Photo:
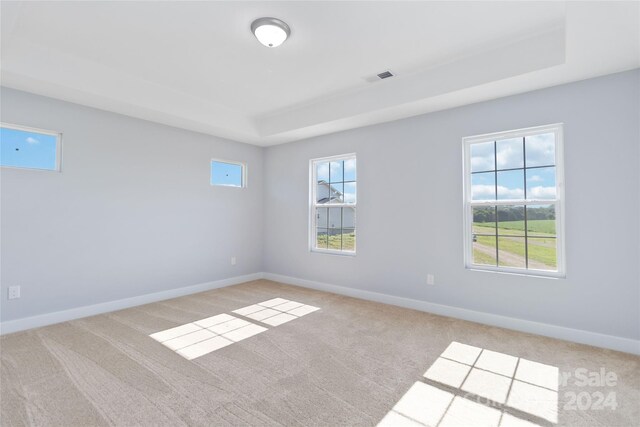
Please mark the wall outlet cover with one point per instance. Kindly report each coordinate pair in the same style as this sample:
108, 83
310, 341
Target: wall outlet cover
14, 292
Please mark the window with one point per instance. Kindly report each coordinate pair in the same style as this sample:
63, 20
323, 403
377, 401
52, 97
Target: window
228, 174
513, 201
333, 205
23, 147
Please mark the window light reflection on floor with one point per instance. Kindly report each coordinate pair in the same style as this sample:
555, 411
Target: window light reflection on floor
480, 388
276, 311
204, 336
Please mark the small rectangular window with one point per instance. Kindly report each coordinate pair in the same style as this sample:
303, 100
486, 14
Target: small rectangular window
333, 205
513, 201
28, 148
228, 174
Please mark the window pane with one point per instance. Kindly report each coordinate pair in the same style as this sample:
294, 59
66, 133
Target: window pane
335, 217
484, 250
540, 150
541, 183
25, 149
484, 220
482, 157
335, 172
483, 186
322, 193
350, 192
350, 170
484, 235
348, 218
511, 220
321, 238
510, 185
322, 172
226, 174
328, 193
511, 252
348, 239
542, 253
337, 192
510, 153
335, 239
322, 218
541, 220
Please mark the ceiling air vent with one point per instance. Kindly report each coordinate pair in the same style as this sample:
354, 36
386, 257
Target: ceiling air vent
385, 75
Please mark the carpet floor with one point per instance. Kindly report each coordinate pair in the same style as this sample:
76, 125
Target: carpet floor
348, 363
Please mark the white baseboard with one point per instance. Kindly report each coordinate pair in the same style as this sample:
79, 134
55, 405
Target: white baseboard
105, 307
575, 335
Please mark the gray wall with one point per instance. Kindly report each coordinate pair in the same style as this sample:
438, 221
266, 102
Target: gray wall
410, 173
131, 213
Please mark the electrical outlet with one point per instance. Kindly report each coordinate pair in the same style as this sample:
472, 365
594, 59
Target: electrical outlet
14, 292
233, 260
431, 279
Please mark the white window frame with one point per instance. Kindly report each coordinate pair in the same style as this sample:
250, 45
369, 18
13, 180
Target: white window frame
313, 205
243, 175
558, 202
58, 136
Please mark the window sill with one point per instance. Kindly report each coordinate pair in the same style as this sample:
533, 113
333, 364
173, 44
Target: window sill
332, 252
25, 168
227, 186
539, 274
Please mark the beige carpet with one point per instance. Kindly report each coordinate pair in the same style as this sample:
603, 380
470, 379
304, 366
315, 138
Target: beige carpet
345, 364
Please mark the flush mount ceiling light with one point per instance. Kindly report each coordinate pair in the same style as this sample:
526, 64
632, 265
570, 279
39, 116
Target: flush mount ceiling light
271, 32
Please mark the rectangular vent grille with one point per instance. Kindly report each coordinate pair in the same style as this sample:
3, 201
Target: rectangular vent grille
385, 75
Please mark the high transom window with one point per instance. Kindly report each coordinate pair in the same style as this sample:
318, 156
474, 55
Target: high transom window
29, 148
228, 174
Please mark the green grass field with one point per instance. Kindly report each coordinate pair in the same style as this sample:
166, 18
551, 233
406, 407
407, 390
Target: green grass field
541, 249
348, 242
535, 226
480, 257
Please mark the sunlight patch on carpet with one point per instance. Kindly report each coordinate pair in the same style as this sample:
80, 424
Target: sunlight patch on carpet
474, 386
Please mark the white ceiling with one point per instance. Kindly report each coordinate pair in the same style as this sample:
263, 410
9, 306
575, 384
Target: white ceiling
196, 65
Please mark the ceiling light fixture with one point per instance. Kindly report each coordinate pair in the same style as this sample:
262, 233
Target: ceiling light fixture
271, 32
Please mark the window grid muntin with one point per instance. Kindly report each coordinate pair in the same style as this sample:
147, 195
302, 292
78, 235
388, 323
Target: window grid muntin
556, 202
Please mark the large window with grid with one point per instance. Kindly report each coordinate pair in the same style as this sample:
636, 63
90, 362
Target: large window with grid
333, 205
513, 201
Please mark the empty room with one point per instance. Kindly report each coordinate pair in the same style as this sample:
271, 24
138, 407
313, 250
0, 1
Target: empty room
320, 213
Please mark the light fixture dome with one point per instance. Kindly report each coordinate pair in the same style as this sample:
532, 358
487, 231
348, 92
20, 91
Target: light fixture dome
271, 32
